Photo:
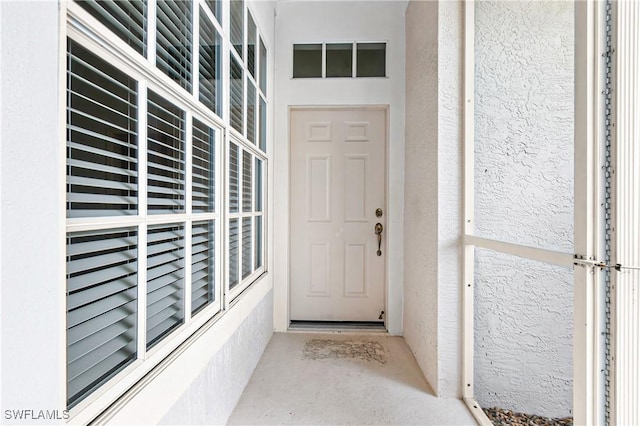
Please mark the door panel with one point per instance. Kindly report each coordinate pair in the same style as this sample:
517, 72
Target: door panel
337, 183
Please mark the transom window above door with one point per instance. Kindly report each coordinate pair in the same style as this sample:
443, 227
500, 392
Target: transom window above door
330, 60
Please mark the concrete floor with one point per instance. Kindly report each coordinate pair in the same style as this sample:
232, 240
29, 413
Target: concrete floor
365, 379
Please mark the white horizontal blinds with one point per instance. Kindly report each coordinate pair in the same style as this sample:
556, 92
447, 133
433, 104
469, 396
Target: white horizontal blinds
165, 156
251, 111
247, 267
251, 45
216, 8
263, 67
174, 40
247, 172
257, 257
237, 25
127, 19
234, 250
263, 125
165, 281
236, 98
102, 176
101, 307
234, 178
203, 167
203, 265
209, 67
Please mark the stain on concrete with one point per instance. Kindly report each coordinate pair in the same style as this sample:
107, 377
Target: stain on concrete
365, 350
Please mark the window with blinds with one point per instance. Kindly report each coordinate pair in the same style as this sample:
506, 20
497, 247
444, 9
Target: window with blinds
236, 98
174, 40
165, 281
209, 66
126, 19
237, 25
251, 45
251, 112
203, 167
165, 156
149, 261
202, 265
101, 307
102, 167
234, 250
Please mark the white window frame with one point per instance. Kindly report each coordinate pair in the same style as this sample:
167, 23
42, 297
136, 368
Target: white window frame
84, 29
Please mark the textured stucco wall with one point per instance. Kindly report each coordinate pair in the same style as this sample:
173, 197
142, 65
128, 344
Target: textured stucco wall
433, 193
421, 190
524, 194
213, 395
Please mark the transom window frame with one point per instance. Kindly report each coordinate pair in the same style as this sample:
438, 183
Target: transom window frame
354, 60
87, 31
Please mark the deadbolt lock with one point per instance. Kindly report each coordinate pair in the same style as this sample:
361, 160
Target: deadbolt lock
378, 212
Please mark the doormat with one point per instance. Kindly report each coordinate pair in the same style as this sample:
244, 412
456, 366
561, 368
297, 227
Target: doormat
365, 350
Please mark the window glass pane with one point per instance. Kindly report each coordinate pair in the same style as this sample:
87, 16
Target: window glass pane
371, 60
127, 19
339, 60
234, 176
216, 8
102, 293
263, 125
203, 167
258, 245
247, 267
165, 281
210, 64
246, 181
263, 67
251, 45
237, 25
165, 156
258, 185
251, 111
234, 241
307, 60
203, 265
237, 96
102, 165
173, 41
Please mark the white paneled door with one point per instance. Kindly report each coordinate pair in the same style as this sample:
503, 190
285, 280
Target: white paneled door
338, 214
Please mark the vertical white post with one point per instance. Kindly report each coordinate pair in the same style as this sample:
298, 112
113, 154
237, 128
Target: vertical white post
142, 211
586, 119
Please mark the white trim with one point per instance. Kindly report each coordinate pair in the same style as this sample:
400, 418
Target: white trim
527, 252
468, 200
476, 410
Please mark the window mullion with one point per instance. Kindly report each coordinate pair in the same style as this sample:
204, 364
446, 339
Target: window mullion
142, 212
324, 60
151, 31
195, 49
354, 54
188, 208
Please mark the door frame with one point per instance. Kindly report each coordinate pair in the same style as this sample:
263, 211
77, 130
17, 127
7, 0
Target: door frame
392, 288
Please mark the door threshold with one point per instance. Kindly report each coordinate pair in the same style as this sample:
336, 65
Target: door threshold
297, 325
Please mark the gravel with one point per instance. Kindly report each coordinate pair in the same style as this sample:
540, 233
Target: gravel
499, 417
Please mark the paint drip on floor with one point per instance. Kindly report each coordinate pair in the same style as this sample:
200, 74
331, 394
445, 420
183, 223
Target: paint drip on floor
365, 350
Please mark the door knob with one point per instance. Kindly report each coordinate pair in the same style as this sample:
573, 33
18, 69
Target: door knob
378, 230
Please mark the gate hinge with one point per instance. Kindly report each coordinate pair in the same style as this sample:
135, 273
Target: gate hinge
579, 260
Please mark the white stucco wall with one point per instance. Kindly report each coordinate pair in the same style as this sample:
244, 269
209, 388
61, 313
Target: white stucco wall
327, 21
212, 396
524, 194
31, 211
433, 191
